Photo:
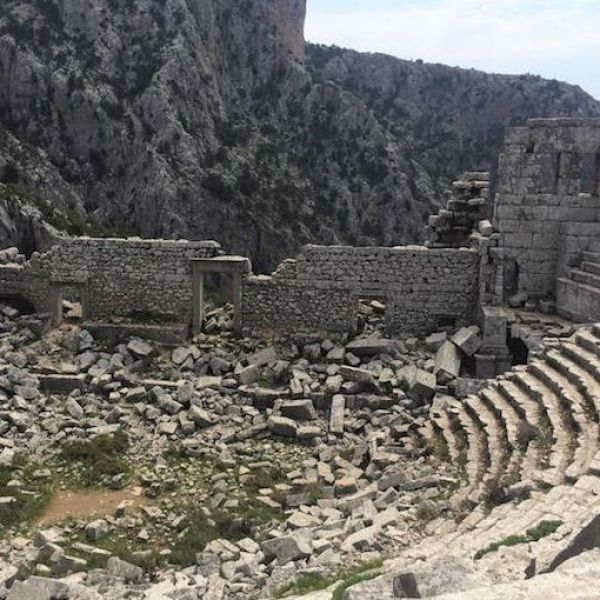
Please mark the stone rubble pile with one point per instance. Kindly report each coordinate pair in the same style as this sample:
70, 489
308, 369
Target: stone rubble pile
322, 438
356, 484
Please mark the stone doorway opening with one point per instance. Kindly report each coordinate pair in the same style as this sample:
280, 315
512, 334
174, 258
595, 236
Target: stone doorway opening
212, 276
219, 293
371, 314
68, 301
518, 350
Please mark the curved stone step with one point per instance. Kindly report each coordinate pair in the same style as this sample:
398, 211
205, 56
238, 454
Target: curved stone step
535, 459
555, 439
478, 459
575, 417
522, 460
589, 267
587, 275
562, 360
497, 444
444, 428
584, 358
588, 340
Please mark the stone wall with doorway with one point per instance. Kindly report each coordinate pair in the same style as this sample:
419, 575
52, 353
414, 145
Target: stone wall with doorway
422, 288
122, 277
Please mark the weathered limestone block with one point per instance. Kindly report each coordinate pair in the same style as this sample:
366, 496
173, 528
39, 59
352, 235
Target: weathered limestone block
288, 548
282, 426
370, 346
299, 410
468, 339
419, 384
336, 419
448, 361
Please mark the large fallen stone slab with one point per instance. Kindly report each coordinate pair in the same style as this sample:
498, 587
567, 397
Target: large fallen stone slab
200, 417
435, 340
140, 349
362, 376
419, 384
263, 397
125, 571
263, 357
370, 346
364, 538
282, 426
336, 418
41, 588
61, 384
448, 361
468, 339
247, 375
299, 410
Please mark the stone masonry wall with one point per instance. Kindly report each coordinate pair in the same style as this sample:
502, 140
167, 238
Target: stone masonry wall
320, 290
122, 277
548, 203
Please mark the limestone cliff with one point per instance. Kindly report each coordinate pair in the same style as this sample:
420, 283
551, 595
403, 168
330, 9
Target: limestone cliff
201, 119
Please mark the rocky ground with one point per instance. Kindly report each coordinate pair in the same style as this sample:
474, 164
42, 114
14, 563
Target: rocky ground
225, 469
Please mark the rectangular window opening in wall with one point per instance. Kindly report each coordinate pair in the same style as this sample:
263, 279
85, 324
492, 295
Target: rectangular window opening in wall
590, 174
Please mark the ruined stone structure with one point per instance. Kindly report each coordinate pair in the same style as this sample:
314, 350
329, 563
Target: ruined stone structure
544, 244
466, 210
422, 288
115, 277
548, 211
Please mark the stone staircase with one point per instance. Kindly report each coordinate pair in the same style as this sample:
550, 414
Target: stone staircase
578, 296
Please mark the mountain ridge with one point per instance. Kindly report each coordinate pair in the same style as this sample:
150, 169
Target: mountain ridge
205, 119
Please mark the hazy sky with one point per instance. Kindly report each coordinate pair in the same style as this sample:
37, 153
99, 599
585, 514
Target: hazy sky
558, 39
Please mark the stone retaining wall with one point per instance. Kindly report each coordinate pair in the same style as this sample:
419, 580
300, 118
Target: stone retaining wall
422, 288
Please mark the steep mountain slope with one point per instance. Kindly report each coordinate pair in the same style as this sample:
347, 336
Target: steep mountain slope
453, 119
198, 118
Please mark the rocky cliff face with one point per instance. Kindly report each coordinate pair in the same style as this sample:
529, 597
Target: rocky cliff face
200, 119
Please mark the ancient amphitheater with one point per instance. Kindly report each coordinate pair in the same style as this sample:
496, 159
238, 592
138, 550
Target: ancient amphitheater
514, 275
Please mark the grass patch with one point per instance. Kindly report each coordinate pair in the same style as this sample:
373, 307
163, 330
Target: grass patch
304, 584
541, 530
203, 529
29, 500
92, 463
340, 590
119, 544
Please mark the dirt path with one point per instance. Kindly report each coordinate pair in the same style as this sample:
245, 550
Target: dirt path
93, 503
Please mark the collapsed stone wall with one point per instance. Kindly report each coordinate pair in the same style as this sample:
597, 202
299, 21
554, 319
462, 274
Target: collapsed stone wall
422, 288
468, 210
547, 205
119, 277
